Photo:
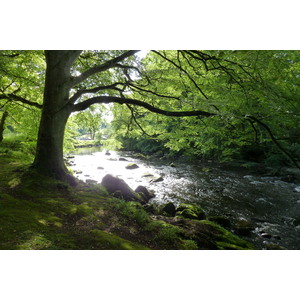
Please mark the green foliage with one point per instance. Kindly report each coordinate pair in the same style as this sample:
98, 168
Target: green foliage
168, 233
189, 245
133, 211
16, 146
89, 121
110, 241
231, 86
264, 84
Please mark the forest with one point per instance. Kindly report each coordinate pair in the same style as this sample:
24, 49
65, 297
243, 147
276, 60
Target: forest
234, 111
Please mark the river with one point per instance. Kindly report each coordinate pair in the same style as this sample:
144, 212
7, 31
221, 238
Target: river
270, 204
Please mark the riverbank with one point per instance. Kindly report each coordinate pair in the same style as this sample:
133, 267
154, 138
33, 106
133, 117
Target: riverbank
41, 213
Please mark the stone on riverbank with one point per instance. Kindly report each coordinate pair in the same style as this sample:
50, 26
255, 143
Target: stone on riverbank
168, 209
190, 211
119, 188
209, 235
145, 194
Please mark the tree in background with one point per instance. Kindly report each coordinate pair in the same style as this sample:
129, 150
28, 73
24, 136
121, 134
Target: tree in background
89, 121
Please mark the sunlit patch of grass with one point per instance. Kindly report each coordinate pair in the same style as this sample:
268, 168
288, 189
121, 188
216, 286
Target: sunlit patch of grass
168, 234
132, 211
36, 242
104, 240
14, 182
189, 245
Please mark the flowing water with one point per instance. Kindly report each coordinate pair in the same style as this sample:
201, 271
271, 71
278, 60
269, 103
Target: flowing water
270, 204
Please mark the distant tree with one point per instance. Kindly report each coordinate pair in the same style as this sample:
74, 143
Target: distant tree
89, 121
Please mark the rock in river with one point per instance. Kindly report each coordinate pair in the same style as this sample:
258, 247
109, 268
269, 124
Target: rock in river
132, 166
157, 179
244, 227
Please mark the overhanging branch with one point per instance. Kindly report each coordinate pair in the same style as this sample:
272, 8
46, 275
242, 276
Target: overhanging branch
20, 99
110, 99
79, 93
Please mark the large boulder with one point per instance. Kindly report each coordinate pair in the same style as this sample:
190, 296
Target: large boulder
168, 209
190, 211
119, 188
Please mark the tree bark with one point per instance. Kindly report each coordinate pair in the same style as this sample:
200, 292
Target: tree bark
55, 113
2, 123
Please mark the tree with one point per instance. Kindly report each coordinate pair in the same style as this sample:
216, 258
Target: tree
90, 121
2, 123
168, 83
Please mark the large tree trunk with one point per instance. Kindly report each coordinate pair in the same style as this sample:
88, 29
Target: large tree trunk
55, 114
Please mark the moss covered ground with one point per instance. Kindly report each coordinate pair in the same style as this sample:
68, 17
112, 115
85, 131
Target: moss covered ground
40, 213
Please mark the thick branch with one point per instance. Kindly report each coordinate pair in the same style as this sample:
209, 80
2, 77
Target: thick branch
101, 68
20, 99
109, 99
79, 93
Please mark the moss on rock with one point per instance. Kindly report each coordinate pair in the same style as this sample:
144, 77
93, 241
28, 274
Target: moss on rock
190, 211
